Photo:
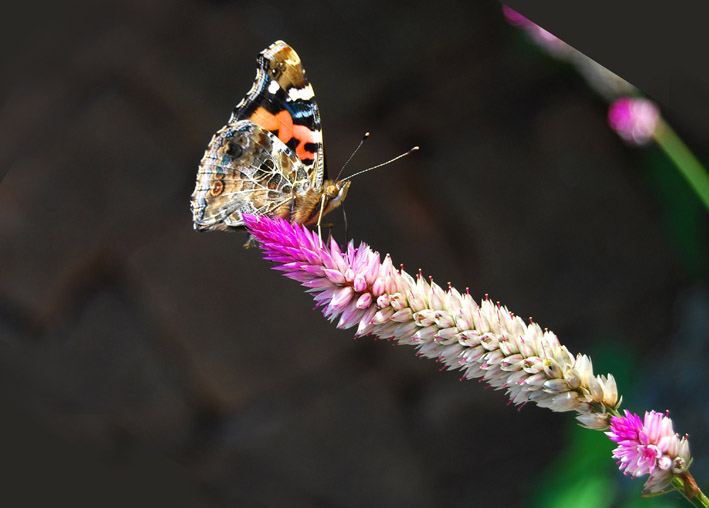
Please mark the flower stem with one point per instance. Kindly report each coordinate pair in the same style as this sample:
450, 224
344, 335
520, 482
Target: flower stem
686, 486
685, 161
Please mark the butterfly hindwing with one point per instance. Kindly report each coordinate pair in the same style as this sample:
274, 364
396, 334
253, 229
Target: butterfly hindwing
246, 169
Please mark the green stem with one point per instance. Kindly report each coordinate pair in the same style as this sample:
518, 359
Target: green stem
686, 486
687, 164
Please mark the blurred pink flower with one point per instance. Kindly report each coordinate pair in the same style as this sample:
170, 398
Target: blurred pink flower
649, 447
634, 119
546, 40
514, 18
607, 84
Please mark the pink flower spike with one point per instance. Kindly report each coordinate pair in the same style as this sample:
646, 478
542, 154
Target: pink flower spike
354, 287
634, 119
649, 447
337, 278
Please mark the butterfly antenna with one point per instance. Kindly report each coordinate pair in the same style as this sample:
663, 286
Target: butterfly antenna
382, 164
361, 142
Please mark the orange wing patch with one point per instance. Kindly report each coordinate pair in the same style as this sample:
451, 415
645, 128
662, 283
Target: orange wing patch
282, 122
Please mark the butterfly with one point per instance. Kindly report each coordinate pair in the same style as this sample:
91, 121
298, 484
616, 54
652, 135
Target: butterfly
269, 158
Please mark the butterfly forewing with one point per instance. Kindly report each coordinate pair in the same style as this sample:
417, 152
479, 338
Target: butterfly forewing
282, 101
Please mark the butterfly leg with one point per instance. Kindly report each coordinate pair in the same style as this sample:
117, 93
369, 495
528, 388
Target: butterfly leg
250, 241
329, 231
292, 206
344, 216
322, 207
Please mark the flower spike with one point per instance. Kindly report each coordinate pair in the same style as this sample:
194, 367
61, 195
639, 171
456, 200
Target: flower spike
356, 288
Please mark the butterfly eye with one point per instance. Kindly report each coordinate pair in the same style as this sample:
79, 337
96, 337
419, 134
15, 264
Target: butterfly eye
217, 187
332, 191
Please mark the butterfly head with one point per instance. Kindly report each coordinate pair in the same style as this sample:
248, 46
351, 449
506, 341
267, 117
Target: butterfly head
335, 193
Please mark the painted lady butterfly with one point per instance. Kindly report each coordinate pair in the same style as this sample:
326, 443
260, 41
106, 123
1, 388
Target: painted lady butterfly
269, 158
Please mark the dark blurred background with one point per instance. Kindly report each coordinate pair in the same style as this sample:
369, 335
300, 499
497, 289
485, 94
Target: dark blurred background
145, 364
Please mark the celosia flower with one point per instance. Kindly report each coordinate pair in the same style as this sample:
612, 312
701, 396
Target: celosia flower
649, 447
484, 341
634, 119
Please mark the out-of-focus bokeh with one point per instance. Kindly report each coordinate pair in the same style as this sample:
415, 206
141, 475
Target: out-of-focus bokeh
142, 359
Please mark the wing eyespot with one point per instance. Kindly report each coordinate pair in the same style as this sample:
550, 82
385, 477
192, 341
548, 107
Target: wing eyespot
216, 188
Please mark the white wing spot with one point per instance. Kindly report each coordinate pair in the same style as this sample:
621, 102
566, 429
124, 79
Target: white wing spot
305, 93
273, 87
